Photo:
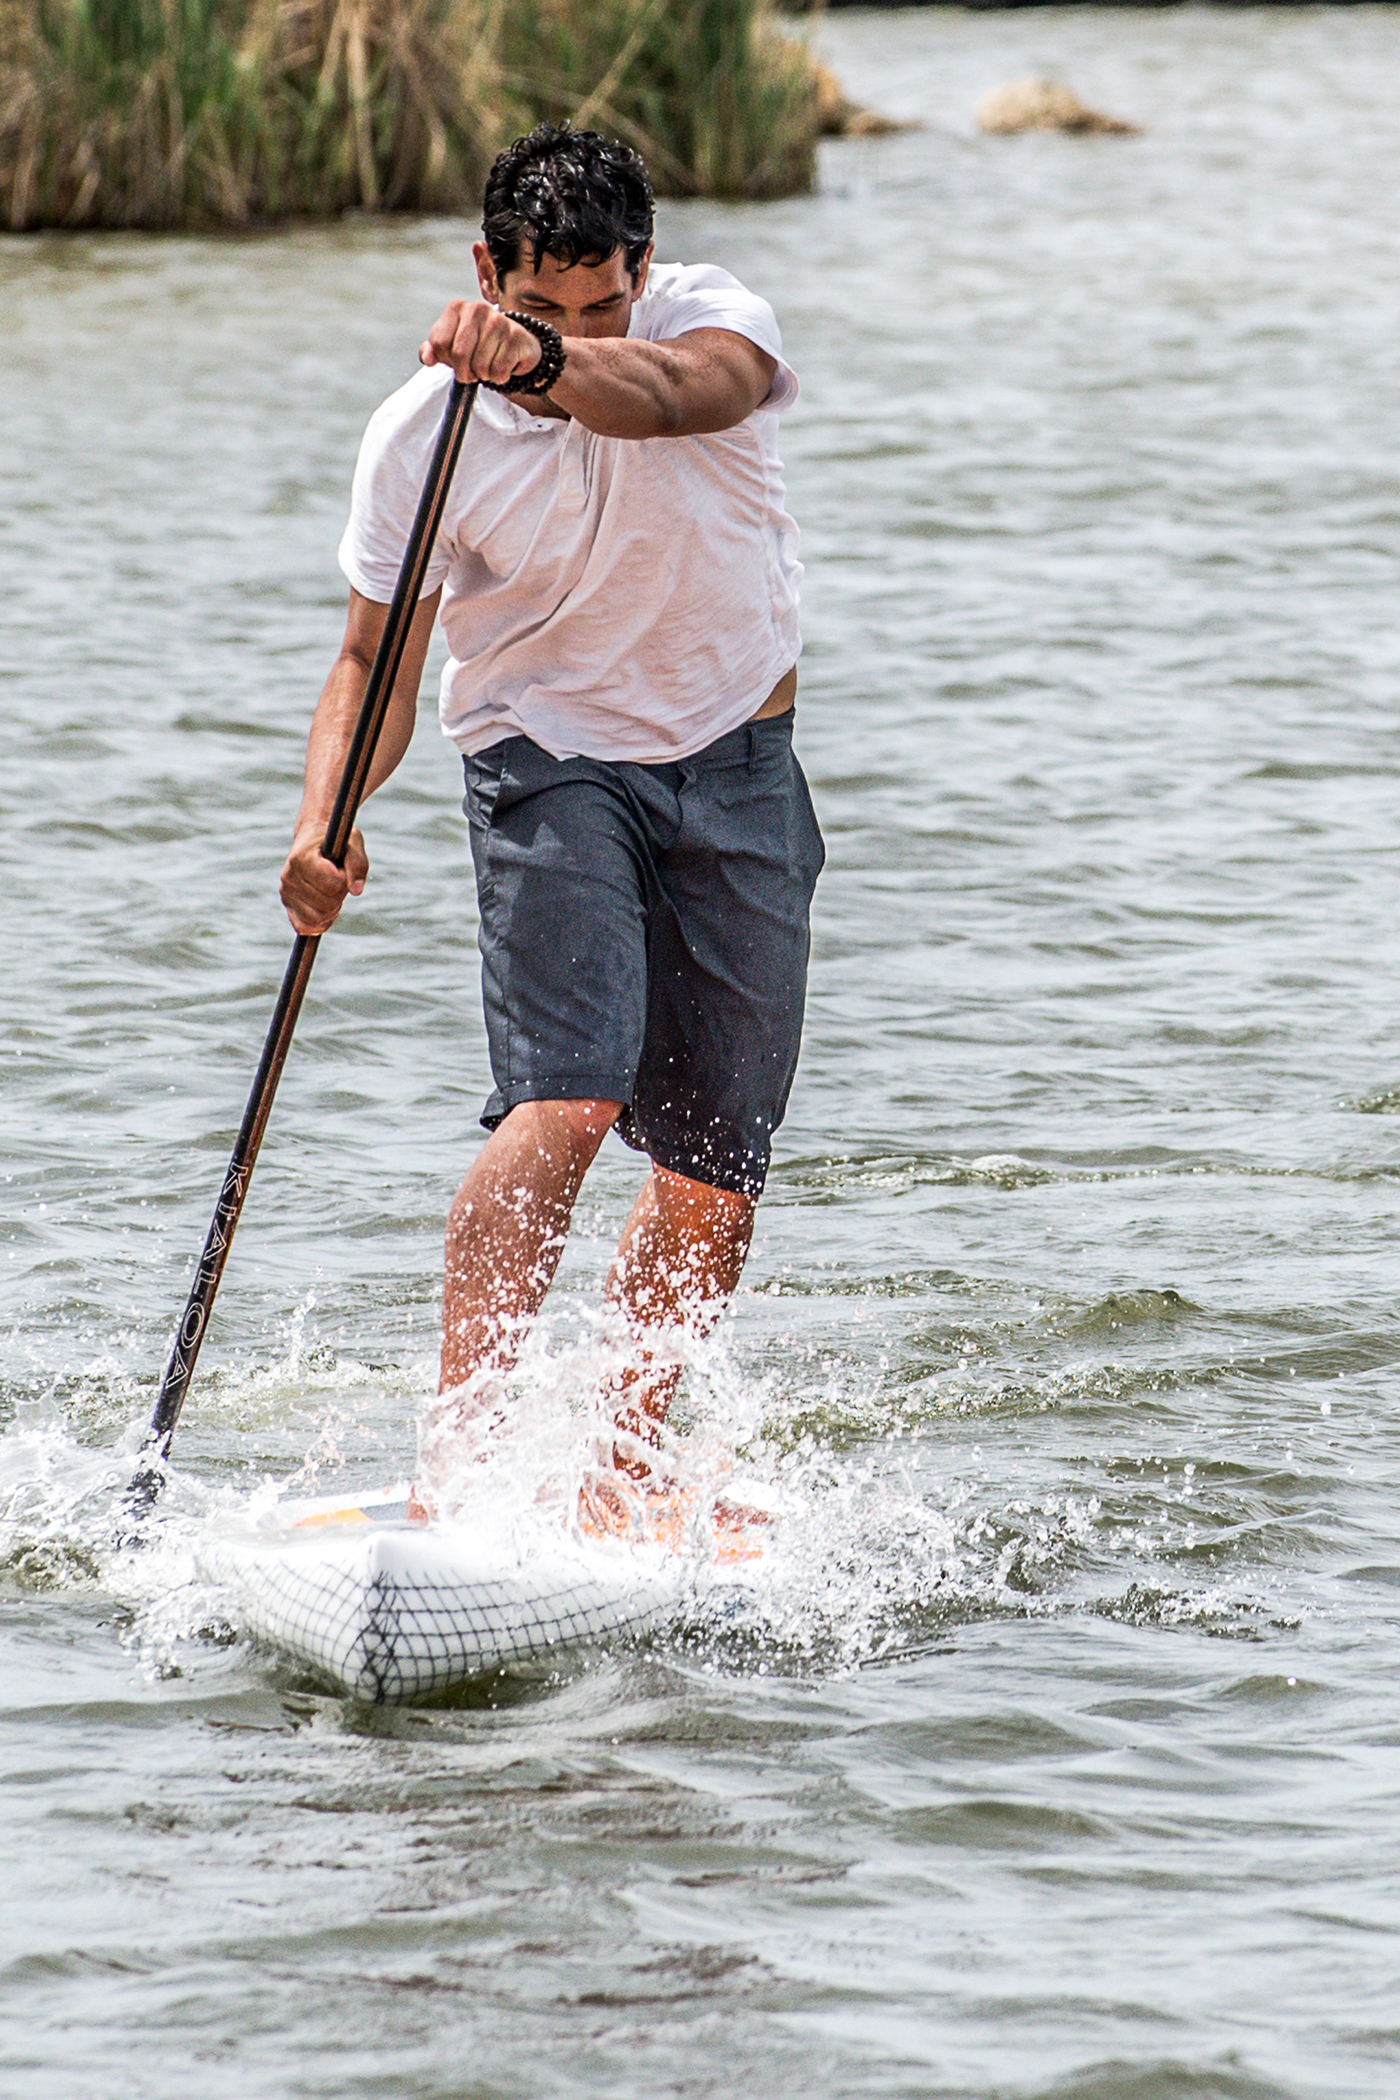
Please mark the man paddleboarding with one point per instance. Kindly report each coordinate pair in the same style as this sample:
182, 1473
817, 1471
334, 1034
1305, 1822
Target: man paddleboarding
617, 578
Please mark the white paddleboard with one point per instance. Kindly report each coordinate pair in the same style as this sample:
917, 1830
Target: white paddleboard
387, 1609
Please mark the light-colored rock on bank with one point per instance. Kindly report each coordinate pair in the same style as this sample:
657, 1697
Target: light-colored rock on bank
839, 119
1042, 105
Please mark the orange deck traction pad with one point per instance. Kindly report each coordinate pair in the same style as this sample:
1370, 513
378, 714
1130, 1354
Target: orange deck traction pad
656, 1516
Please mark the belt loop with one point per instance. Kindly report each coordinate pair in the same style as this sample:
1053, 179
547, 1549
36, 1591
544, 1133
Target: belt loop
753, 745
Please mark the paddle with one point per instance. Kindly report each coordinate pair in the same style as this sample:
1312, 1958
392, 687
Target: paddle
150, 1472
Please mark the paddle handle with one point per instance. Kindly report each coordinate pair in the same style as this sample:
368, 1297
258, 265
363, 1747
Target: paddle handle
355, 773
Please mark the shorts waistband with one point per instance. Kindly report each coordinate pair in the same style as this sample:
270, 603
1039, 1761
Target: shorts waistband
741, 746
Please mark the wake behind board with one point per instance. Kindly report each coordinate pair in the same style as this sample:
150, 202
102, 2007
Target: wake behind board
390, 1610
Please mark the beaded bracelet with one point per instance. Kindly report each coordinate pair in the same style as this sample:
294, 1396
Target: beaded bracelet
546, 373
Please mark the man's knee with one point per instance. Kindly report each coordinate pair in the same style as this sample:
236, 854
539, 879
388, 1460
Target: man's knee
579, 1126
701, 1206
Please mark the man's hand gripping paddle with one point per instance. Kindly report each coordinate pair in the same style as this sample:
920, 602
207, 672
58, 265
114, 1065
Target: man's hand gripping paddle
150, 1468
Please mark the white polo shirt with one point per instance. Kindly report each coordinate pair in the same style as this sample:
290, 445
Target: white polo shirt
621, 598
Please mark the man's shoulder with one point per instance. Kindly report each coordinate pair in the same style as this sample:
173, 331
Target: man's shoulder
419, 399
673, 279
680, 297
404, 427
683, 296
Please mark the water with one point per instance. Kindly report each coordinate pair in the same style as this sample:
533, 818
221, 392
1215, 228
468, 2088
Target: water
1062, 1761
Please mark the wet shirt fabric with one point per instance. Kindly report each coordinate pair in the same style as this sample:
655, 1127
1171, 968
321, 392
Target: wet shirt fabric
612, 598
644, 939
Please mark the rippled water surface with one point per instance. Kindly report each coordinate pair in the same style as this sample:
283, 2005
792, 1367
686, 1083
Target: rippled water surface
1059, 1759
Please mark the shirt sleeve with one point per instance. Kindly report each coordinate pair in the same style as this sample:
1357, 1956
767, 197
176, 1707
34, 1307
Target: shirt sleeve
705, 296
395, 454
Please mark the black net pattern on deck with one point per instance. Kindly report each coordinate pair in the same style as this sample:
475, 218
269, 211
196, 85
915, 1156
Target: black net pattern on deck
395, 1633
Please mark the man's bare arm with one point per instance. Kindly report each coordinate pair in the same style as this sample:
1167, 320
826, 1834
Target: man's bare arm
708, 379
313, 888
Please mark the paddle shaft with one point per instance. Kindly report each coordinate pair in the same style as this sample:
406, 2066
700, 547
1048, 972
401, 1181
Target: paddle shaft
358, 759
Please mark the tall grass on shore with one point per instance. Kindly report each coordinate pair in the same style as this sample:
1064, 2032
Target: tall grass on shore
714, 97
229, 113
222, 112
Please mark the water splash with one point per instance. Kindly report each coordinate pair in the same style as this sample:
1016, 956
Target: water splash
863, 1551
54, 1497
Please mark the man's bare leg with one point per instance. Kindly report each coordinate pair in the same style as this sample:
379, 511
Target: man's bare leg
680, 1258
505, 1234
507, 1226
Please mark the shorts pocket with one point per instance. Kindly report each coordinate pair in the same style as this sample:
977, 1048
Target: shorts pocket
482, 772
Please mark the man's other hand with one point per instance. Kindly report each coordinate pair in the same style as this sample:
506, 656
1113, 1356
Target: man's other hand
480, 342
314, 888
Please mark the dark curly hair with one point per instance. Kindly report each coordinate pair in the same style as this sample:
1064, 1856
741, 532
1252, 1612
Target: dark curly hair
569, 194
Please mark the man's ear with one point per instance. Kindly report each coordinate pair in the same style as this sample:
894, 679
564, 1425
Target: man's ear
639, 282
486, 273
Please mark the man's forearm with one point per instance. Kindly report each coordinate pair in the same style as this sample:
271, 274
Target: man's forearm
623, 389
615, 385
332, 727
312, 889
342, 696
707, 380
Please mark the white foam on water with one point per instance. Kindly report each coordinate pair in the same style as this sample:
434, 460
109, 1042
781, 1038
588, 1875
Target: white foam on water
858, 1558
60, 1530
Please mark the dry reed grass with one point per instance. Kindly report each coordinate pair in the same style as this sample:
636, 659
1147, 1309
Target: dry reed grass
714, 97
230, 113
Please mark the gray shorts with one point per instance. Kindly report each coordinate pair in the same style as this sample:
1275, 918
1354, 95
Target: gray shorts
644, 938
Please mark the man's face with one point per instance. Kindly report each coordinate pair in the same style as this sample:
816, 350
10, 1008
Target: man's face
579, 299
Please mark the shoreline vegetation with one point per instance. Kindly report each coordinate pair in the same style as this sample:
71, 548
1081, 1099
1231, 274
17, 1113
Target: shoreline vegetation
229, 114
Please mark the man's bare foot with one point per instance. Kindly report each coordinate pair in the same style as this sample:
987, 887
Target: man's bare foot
655, 1511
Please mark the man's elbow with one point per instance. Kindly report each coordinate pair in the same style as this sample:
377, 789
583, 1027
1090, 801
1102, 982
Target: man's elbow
357, 656
701, 412
674, 398
724, 396
677, 415
699, 395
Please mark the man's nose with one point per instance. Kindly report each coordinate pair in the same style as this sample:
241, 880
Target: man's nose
581, 324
